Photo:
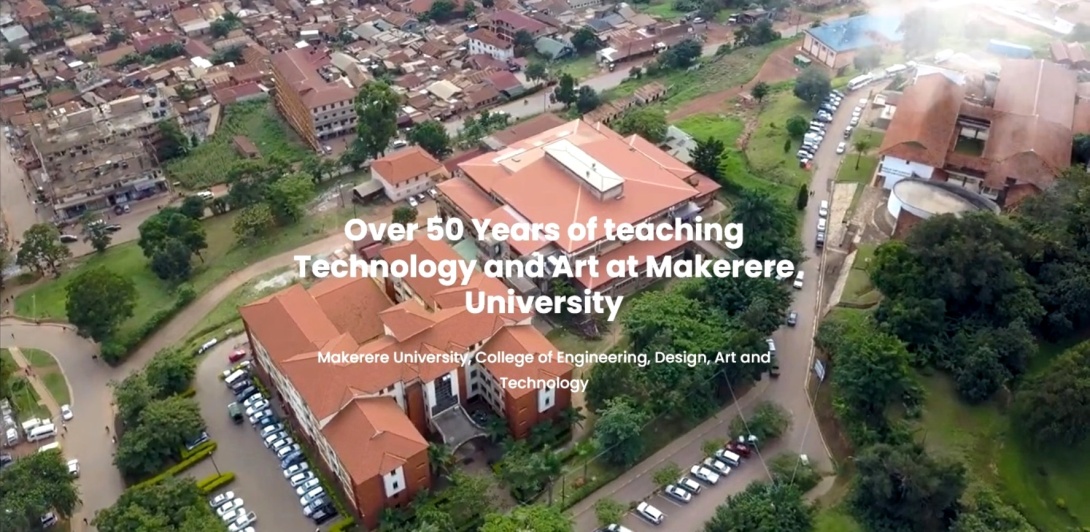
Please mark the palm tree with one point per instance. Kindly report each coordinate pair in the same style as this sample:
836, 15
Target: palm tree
572, 416
860, 146
440, 458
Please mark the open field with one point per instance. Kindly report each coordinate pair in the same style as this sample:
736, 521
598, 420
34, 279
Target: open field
859, 290
719, 126
765, 148
663, 9
835, 520
207, 164
861, 176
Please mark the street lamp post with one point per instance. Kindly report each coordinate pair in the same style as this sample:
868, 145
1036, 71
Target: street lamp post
213, 459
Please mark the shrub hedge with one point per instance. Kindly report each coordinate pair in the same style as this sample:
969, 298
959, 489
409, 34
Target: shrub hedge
210, 484
116, 350
343, 525
189, 392
196, 456
186, 453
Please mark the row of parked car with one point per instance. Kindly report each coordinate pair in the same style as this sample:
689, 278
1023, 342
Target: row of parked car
233, 511
813, 138
705, 474
251, 405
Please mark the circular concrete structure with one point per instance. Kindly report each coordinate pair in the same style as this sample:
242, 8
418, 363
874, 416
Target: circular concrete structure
923, 199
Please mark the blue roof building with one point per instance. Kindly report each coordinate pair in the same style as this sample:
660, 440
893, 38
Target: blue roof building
833, 44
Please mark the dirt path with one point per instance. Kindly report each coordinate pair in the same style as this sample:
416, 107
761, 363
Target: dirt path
777, 68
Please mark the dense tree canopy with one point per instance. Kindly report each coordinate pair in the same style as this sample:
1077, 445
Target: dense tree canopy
173, 504
763, 507
160, 433
377, 107
432, 136
42, 251
99, 301
34, 485
900, 487
768, 226
647, 122
536, 517
812, 86
1053, 407
168, 224
618, 431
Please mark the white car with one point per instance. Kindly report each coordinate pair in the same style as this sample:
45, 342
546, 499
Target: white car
678, 494
301, 478
273, 438
243, 522
704, 474
221, 499
798, 281
296, 469
281, 443
253, 399
841, 148
73, 467
66, 413
650, 513
857, 111
717, 466
689, 485
311, 495
413, 203
307, 486
270, 430
231, 506
257, 407
855, 121
234, 513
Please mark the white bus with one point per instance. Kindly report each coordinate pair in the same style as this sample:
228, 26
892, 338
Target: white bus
895, 69
859, 81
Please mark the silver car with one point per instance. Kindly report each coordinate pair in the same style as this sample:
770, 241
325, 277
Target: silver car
307, 486
299, 479
311, 495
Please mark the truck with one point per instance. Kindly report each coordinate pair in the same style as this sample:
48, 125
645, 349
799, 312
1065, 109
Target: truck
1009, 49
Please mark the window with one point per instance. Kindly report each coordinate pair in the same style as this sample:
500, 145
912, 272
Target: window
396, 486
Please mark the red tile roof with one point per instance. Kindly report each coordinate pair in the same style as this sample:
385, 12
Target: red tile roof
405, 164
300, 68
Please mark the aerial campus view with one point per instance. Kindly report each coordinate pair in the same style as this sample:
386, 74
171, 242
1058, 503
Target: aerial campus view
900, 341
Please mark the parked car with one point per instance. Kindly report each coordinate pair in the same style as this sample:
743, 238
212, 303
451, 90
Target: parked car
413, 203
235, 412
292, 459
231, 506
301, 479
650, 513
113, 228
738, 448
717, 466
236, 355
320, 510
68, 239
282, 442
841, 148
259, 417
311, 495
421, 198
293, 470
854, 122
677, 494
689, 485
798, 281
288, 449
704, 474
221, 499
249, 401
303, 488
848, 131
823, 209
245, 393
243, 522
774, 368
256, 407
273, 438
234, 513
792, 318
66, 413
201, 438
121, 209
73, 467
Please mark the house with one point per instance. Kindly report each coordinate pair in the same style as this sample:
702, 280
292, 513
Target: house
315, 99
245, 147
835, 43
407, 172
507, 23
32, 13
485, 42
367, 420
1069, 54
572, 173
553, 49
1004, 141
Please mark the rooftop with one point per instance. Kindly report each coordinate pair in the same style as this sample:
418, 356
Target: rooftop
405, 164
63, 129
858, 32
933, 198
576, 171
306, 70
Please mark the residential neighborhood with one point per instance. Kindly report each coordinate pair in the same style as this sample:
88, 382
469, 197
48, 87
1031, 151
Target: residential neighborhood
167, 363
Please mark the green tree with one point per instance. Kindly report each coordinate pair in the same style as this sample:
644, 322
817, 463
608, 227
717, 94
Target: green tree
867, 59
812, 86
647, 122
95, 232
193, 207
763, 507
761, 303
860, 145
527, 473
1053, 406
682, 55
609, 381
171, 504
158, 437
903, 488
524, 42
253, 222
170, 372
1080, 148
707, 157
666, 474
377, 107
288, 196
172, 261
608, 511
565, 90
760, 90
796, 127
758, 34
440, 11
34, 485
404, 215
440, 458
768, 422
117, 37
432, 137
5, 261
221, 27
802, 198
618, 431
536, 517
15, 56
536, 70
169, 224
984, 511
132, 396
42, 250
587, 99
791, 469
469, 496
98, 302
173, 143
769, 226
585, 40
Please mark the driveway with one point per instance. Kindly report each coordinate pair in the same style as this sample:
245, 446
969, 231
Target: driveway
258, 478
16, 195
796, 348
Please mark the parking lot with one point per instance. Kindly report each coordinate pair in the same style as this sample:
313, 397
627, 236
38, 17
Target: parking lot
259, 480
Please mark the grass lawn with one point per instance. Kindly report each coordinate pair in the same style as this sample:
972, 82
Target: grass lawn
5, 355
25, 400
58, 387
38, 359
207, 163
835, 520
223, 256
715, 74
861, 176
724, 128
765, 148
663, 9
579, 67
872, 136
46, 367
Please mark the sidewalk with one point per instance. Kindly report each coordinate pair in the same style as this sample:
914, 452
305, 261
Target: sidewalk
44, 397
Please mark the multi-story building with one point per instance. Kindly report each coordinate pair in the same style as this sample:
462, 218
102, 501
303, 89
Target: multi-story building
488, 43
313, 96
368, 421
572, 173
507, 23
407, 172
101, 156
1003, 138
835, 43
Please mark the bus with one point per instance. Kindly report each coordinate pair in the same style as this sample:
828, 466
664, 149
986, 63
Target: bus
895, 69
859, 81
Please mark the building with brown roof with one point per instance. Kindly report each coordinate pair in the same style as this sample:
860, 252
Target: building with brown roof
1004, 145
507, 23
488, 43
32, 13
312, 95
407, 172
1069, 54
367, 421
573, 173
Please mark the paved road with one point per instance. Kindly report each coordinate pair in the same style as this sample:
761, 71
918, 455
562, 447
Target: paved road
16, 195
795, 346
